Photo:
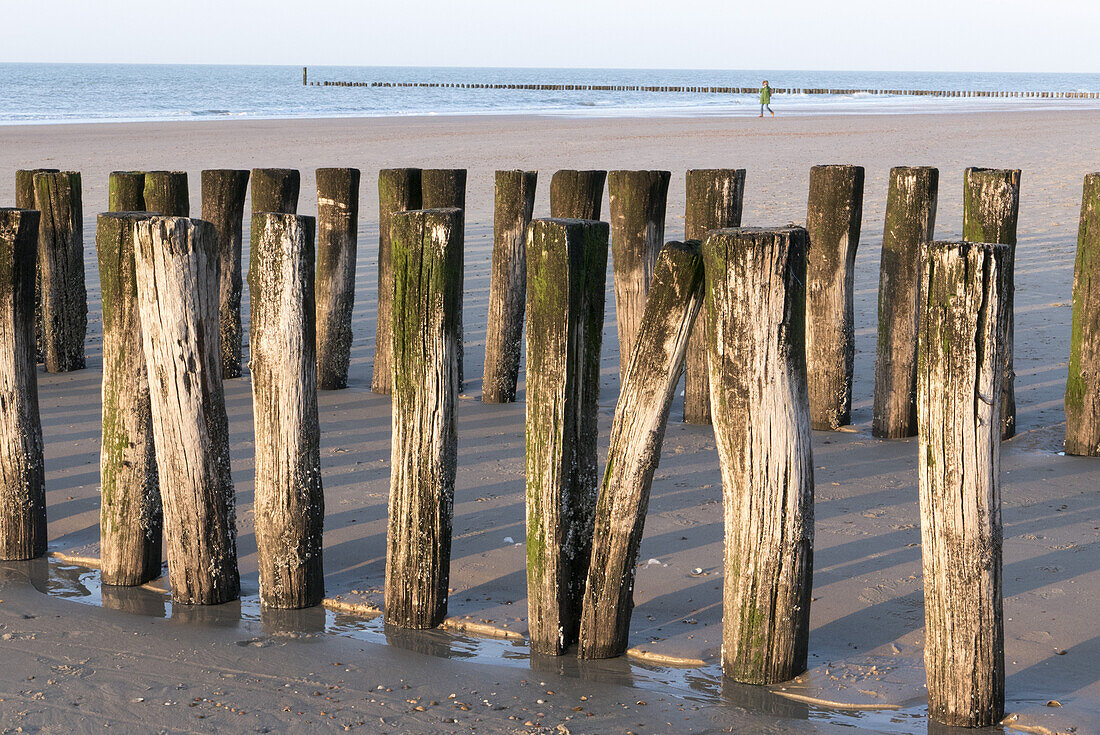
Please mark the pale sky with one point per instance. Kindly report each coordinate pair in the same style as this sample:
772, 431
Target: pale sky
912, 35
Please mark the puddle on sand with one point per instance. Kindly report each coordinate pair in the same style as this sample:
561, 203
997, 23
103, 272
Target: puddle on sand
261, 627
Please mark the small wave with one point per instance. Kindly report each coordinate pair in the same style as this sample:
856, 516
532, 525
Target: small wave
210, 113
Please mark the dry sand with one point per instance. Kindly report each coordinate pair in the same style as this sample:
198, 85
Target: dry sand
79, 667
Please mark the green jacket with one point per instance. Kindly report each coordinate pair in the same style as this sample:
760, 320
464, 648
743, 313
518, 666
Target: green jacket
765, 95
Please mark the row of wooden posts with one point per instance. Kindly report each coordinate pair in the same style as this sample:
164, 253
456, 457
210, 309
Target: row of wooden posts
775, 356
1004, 94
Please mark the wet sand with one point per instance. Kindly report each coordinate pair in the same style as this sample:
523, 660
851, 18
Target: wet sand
90, 664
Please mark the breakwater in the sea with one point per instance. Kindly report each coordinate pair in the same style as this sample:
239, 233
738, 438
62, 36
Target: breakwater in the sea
986, 93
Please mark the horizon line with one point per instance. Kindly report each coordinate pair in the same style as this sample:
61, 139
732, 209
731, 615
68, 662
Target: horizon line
568, 67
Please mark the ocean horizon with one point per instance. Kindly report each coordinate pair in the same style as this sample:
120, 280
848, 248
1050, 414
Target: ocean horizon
36, 93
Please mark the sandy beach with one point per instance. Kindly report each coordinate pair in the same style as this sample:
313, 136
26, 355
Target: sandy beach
129, 665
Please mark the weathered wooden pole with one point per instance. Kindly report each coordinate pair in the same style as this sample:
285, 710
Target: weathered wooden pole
566, 279
641, 414
22, 477
442, 188
398, 191
426, 246
61, 269
166, 193
834, 213
637, 200
24, 199
714, 201
963, 324
290, 503
176, 268
24, 186
514, 203
755, 302
223, 195
577, 194
337, 229
275, 190
1083, 384
126, 192
130, 518
910, 224
991, 208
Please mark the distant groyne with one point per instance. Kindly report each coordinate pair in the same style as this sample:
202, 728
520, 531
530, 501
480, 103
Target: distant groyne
1065, 95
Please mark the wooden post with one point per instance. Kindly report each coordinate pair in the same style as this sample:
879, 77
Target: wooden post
126, 192
637, 201
714, 200
223, 194
657, 361
176, 268
24, 186
1083, 384
130, 519
755, 302
963, 323
426, 247
290, 504
275, 190
22, 477
577, 194
515, 202
61, 267
305, 76
834, 213
337, 229
24, 199
566, 279
398, 191
991, 207
166, 193
910, 224
442, 188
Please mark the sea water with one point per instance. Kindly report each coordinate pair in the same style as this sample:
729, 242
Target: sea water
59, 93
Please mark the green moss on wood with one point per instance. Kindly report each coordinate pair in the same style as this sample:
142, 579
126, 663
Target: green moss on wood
577, 194
24, 186
1082, 396
165, 193
126, 191
61, 265
275, 190
426, 247
567, 263
398, 191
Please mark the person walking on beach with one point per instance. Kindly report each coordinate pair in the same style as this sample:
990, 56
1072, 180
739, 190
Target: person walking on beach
765, 98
